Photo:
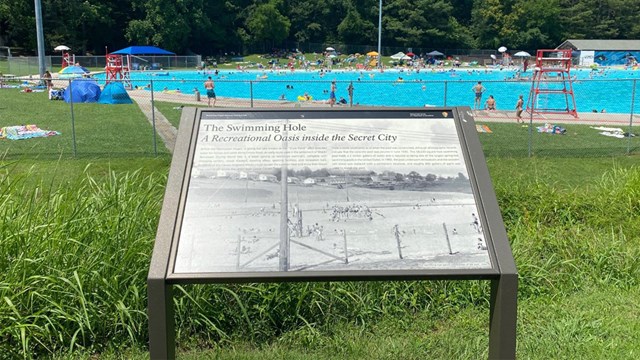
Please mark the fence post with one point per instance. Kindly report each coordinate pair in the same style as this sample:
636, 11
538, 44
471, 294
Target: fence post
251, 91
633, 98
153, 121
73, 119
531, 115
445, 93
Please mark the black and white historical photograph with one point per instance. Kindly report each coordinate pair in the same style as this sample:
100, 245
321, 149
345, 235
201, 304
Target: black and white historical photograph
329, 194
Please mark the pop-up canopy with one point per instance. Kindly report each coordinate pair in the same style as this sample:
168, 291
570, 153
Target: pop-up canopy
143, 50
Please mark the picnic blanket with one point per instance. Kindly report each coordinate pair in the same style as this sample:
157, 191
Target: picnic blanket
21, 132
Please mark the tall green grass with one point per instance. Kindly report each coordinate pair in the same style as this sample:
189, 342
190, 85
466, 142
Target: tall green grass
74, 262
75, 258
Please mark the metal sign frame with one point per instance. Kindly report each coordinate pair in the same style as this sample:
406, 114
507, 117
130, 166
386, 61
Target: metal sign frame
502, 274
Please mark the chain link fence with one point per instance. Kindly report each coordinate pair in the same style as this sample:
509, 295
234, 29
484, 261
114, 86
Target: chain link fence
28, 65
147, 126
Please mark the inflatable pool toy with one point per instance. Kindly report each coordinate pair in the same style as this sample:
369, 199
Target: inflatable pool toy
305, 98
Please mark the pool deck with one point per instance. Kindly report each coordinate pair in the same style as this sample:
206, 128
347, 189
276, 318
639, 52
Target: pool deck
505, 116
168, 132
584, 118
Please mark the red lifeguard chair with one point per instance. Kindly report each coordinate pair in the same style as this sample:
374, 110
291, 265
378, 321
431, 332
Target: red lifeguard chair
552, 79
68, 59
118, 70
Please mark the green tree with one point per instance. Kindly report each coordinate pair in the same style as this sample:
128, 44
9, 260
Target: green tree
537, 24
487, 19
267, 25
166, 24
354, 29
17, 24
423, 23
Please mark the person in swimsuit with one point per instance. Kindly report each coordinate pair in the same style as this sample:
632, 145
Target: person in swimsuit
211, 94
478, 89
491, 103
519, 106
332, 94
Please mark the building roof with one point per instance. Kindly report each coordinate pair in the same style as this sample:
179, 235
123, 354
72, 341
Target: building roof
600, 44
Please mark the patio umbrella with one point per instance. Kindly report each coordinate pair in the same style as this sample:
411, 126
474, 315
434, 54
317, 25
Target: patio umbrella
372, 53
435, 53
397, 56
522, 54
330, 49
61, 48
73, 71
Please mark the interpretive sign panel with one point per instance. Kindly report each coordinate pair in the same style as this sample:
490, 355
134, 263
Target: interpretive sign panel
340, 191
319, 195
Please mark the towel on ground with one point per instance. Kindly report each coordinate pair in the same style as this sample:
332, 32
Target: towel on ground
21, 132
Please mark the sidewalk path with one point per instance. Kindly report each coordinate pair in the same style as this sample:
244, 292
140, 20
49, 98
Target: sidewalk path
165, 130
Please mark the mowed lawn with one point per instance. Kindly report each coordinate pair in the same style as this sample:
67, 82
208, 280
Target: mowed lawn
512, 140
101, 131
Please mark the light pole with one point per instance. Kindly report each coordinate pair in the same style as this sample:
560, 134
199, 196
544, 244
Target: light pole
380, 35
40, 38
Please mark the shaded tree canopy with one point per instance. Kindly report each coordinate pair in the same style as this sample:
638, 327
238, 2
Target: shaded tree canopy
211, 27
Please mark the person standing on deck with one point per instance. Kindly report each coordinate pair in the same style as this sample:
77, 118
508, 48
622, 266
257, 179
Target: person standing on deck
478, 89
211, 94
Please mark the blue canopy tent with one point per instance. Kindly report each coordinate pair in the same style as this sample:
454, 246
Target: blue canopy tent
114, 93
82, 90
143, 50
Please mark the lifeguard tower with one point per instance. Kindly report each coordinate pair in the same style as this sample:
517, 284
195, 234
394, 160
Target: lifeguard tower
118, 69
68, 59
551, 88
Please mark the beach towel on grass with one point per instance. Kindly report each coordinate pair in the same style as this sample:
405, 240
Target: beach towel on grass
483, 129
552, 129
22, 132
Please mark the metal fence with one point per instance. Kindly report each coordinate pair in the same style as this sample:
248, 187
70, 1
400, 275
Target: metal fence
386, 50
26, 65
148, 126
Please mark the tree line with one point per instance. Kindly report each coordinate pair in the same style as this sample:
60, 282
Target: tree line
211, 27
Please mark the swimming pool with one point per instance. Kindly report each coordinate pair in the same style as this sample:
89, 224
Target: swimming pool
594, 90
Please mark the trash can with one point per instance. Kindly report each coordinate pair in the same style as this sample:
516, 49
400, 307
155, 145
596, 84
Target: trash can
197, 94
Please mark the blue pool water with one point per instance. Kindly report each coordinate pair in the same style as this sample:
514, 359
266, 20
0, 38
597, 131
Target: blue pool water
594, 90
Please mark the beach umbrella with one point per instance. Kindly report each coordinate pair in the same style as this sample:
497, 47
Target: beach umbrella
61, 48
73, 71
330, 49
435, 53
502, 49
410, 54
397, 56
372, 53
522, 54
